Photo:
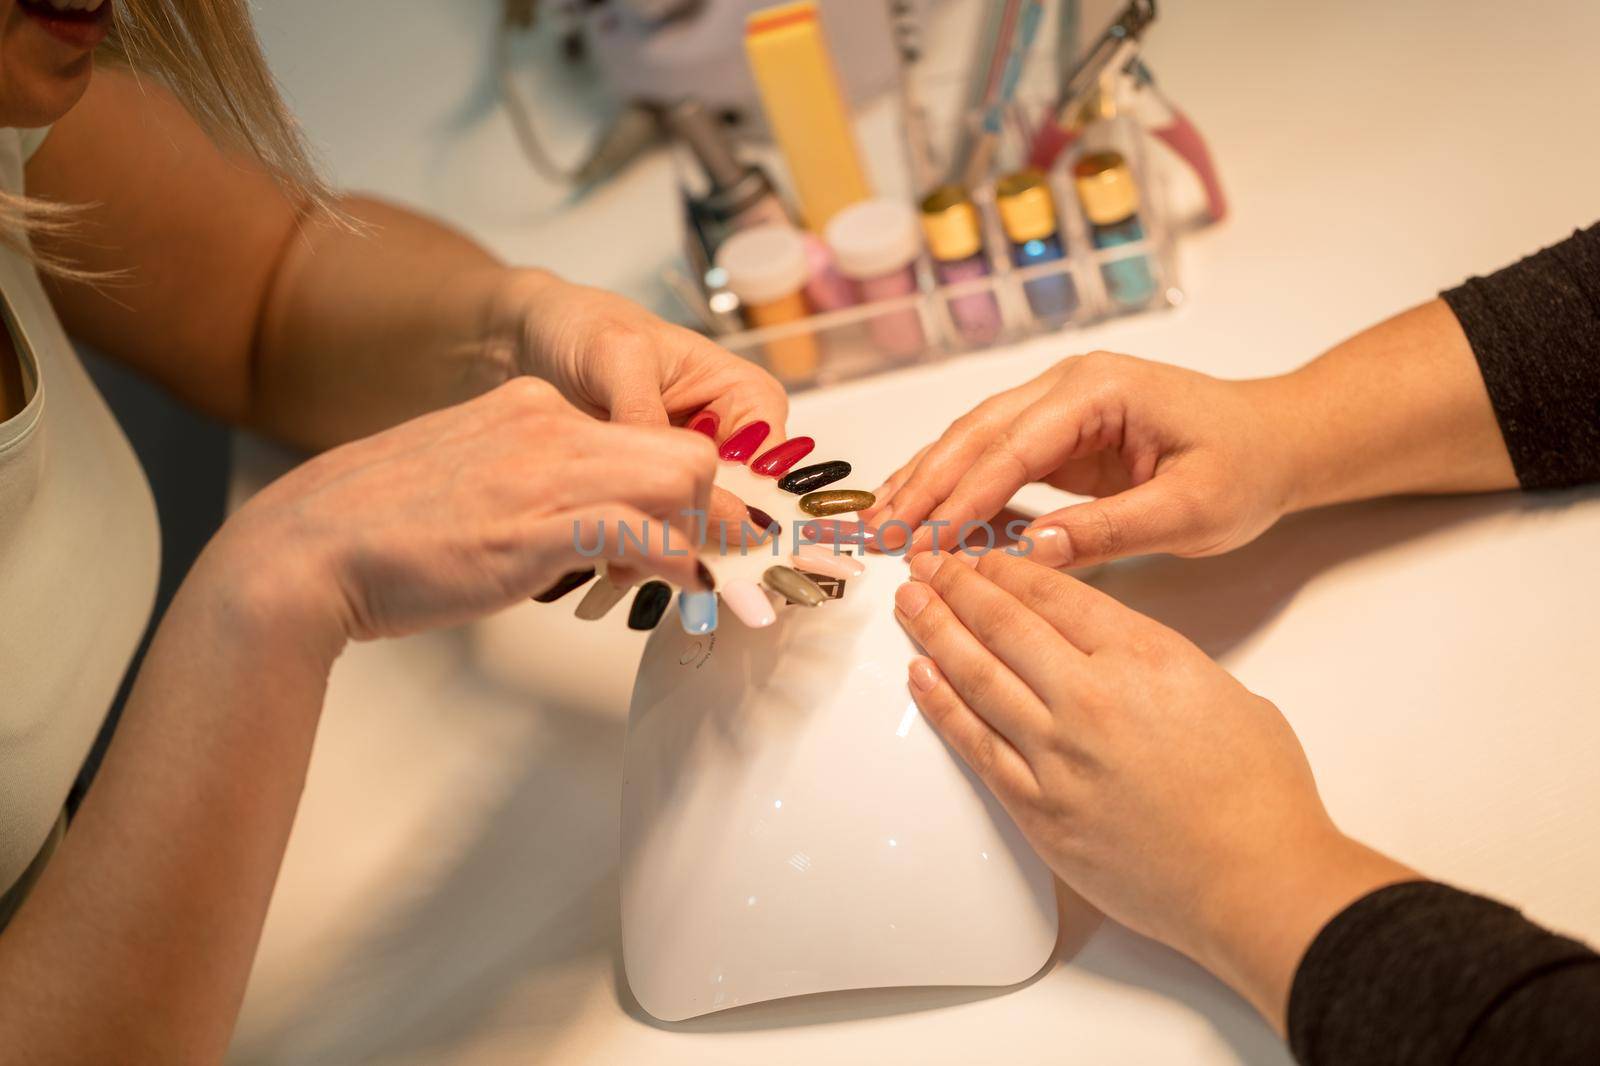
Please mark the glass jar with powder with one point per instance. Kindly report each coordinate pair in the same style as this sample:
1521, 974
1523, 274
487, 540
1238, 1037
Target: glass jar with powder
875, 244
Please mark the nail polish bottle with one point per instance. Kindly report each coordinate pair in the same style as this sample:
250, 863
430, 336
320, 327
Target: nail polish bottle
740, 195
875, 244
1028, 215
1110, 199
955, 241
766, 269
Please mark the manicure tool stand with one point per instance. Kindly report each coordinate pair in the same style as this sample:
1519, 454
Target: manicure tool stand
791, 824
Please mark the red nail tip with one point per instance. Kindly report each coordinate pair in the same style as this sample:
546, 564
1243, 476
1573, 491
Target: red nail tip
705, 422
743, 444
776, 461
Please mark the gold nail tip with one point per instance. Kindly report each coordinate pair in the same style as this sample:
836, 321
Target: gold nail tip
826, 502
793, 585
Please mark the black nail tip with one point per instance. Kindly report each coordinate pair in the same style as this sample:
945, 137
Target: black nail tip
763, 520
814, 476
649, 604
704, 574
566, 584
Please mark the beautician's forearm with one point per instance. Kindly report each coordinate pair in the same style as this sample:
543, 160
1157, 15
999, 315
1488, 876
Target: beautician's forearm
1399, 408
136, 942
362, 330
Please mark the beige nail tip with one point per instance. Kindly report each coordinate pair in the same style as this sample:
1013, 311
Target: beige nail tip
602, 596
827, 563
793, 585
749, 603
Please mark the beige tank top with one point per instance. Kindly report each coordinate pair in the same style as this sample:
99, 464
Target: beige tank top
79, 552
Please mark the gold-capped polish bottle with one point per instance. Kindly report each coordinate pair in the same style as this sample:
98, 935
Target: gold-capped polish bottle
955, 242
1028, 215
1110, 199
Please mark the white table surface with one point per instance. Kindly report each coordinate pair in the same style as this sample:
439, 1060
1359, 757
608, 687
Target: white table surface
450, 893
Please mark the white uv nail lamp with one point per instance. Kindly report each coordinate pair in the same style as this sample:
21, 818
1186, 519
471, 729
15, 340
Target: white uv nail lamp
791, 824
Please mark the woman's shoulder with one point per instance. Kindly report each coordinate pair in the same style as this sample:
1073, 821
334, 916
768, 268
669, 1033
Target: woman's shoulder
16, 148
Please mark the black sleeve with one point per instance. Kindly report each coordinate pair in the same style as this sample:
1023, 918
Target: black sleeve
1535, 328
1424, 973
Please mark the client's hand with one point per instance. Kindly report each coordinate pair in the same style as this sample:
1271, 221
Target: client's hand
1152, 782
464, 511
1182, 463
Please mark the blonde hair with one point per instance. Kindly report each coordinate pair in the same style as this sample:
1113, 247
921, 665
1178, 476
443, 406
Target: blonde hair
207, 54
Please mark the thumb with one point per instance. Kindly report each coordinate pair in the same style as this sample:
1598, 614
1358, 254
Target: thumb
636, 402
1149, 518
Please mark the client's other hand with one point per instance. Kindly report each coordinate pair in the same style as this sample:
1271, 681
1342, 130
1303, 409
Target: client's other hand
1152, 782
1181, 462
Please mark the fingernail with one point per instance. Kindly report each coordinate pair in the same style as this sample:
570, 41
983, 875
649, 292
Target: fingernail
705, 422
703, 572
923, 674
649, 604
835, 501
762, 520
776, 461
697, 612
752, 607
911, 598
831, 531
924, 566
743, 444
793, 585
815, 476
1051, 546
815, 559
564, 585
599, 600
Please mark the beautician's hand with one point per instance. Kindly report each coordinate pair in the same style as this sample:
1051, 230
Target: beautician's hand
614, 359
1152, 782
466, 510
1181, 463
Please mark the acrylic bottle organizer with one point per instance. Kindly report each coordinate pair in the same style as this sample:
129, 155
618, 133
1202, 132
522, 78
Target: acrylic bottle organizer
841, 345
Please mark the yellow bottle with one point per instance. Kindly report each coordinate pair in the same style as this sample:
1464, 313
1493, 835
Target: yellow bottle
804, 106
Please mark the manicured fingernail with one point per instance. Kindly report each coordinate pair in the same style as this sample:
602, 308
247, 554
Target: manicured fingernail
923, 674
705, 422
597, 603
776, 461
649, 604
743, 444
566, 584
924, 566
746, 600
762, 520
815, 476
697, 612
1051, 546
832, 531
793, 585
701, 571
911, 598
815, 559
835, 501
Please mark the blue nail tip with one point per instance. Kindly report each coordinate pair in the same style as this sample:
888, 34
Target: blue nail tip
697, 611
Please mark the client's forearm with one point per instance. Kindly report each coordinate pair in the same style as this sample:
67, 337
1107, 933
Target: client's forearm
362, 330
135, 943
1398, 408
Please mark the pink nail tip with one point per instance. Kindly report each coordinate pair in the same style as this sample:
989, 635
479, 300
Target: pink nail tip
749, 603
817, 559
743, 444
833, 531
776, 461
705, 422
